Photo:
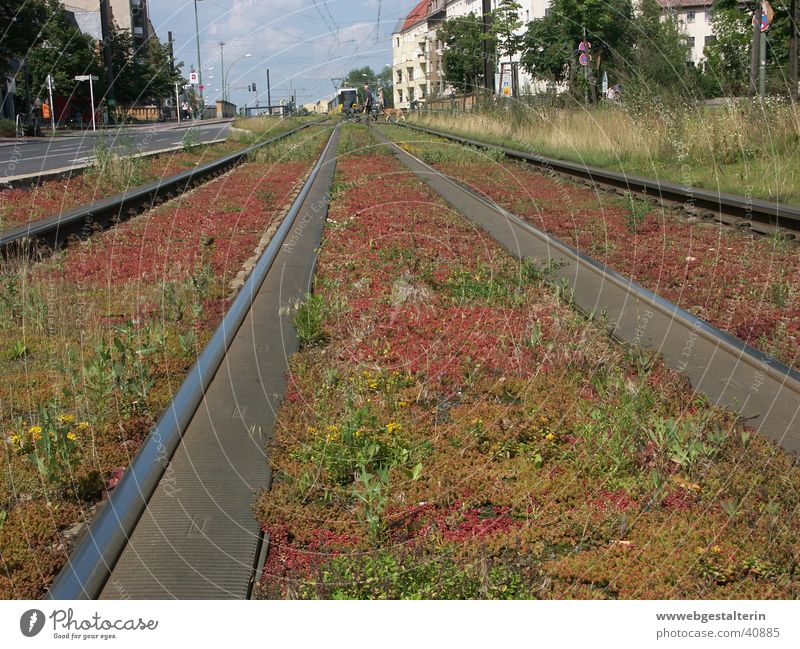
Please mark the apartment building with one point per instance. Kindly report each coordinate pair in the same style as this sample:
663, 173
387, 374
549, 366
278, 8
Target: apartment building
131, 15
417, 55
694, 16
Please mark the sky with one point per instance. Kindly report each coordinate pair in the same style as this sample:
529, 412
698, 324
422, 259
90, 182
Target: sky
304, 43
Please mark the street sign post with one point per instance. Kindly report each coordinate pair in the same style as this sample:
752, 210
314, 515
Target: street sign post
52, 107
91, 79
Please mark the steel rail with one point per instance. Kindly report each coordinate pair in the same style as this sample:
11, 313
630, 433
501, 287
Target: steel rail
96, 554
54, 231
733, 373
764, 216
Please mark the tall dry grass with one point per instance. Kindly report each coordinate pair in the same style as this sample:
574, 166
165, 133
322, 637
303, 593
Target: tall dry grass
738, 146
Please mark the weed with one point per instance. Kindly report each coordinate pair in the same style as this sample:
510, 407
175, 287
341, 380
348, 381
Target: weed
636, 212
52, 445
18, 350
309, 321
115, 171
190, 140
779, 293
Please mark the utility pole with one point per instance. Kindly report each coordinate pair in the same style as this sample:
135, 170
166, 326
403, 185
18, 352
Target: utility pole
762, 66
793, 76
108, 59
199, 64
171, 45
755, 54
222, 68
488, 56
269, 95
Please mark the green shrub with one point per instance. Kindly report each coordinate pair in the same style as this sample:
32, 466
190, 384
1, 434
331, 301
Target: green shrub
7, 128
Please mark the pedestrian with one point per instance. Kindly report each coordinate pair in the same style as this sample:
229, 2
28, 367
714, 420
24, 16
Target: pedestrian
367, 100
381, 100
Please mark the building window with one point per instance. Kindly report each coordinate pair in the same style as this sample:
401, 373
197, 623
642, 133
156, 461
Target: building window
400, 96
399, 76
709, 40
411, 93
410, 74
691, 42
690, 16
397, 42
423, 91
547, 12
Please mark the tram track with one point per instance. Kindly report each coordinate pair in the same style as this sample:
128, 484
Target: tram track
770, 218
730, 372
180, 524
56, 230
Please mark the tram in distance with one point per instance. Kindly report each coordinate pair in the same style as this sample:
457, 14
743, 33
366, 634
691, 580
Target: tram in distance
343, 97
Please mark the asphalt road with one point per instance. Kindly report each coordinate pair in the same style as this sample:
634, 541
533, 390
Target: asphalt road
33, 157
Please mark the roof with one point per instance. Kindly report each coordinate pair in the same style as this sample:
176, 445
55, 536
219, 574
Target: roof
416, 15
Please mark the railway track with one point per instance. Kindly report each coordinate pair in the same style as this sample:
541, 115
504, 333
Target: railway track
731, 373
764, 217
179, 524
54, 231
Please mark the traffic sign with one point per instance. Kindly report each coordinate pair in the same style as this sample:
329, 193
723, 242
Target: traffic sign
193, 78
583, 59
201, 88
86, 77
767, 15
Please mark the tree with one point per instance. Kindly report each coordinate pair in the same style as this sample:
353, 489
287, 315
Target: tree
505, 24
21, 26
63, 52
462, 61
550, 45
143, 74
657, 66
727, 69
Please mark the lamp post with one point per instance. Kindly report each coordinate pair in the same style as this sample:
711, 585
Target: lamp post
225, 75
199, 65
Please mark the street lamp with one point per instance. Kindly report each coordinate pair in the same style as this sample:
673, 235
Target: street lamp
199, 66
225, 75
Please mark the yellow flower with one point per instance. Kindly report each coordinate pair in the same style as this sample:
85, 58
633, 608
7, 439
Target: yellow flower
36, 432
716, 548
84, 425
71, 436
392, 427
65, 419
403, 404
15, 439
550, 437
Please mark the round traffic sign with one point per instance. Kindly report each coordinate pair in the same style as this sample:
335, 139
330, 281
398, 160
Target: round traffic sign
583, 59
201, 87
